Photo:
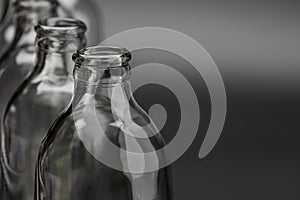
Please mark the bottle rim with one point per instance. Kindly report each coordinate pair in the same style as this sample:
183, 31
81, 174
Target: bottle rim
60, 26
35, 6
102, 56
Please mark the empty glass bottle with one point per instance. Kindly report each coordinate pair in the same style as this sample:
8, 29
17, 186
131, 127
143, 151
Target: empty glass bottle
89, 153
88, 11
19, 58
17, 52
38, 102
7, 27
4, 6
4, 11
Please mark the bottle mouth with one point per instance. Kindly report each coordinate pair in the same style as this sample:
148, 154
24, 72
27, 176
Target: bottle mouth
55, 26
29, 5
102, 56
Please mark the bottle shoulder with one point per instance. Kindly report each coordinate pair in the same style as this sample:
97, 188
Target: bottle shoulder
34, 94
17, 58
95, 128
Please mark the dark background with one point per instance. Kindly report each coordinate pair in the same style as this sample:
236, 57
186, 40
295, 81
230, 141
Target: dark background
256, 46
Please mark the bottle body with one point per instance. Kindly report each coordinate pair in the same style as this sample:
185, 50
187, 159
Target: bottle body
18, 54
5, 15
87, 152
37, 102
18, 59
31, 112
67, 170
3, 9
17, 64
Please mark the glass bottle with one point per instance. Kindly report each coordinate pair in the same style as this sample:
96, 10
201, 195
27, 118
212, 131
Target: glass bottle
7, 29
17, 50
4, 7
38, 102
88, 11
19, 58
86, 153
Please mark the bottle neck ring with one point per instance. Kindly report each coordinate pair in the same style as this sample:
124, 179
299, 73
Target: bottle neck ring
27, 13
60, 35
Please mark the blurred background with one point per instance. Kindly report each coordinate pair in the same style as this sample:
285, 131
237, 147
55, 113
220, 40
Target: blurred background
256, 46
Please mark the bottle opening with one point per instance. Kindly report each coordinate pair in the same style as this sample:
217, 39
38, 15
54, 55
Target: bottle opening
103, 65
60, 35
102, 56
37, 6
60, 26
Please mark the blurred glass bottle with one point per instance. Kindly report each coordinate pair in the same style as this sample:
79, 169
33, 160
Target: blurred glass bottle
5, 14
6, 25
4, 7
19, 58
17, 53
4, 4
89, 153
86, 10
38, 102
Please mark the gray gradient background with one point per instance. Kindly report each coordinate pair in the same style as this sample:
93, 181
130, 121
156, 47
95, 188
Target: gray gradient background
256, 46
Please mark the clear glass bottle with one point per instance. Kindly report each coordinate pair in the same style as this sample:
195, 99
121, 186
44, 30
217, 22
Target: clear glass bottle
86, 10
5, 13
38, 102
17, 50
20, 56
7, 27
4, 7
86, 153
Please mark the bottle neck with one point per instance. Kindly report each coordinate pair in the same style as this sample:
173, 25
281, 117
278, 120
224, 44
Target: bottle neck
57, 39
101, 75
101, 87
110, 95
54, 64
55, 58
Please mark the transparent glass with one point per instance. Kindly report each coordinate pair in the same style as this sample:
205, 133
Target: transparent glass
37, 103
86, 10
4, 15
86, 153
5, 18
7, 26
17, 54
7, 29
20, 56
4, 4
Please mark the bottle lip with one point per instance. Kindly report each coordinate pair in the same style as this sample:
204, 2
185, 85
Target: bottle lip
34, 6
60, 26
102, 56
